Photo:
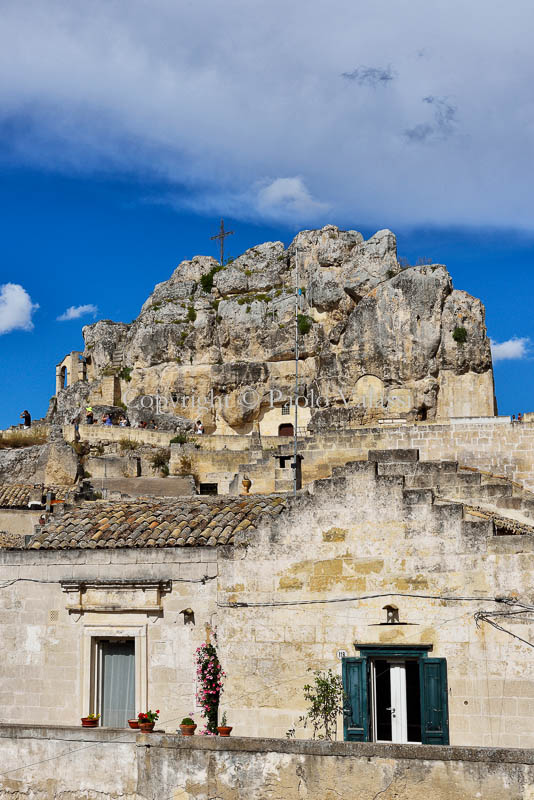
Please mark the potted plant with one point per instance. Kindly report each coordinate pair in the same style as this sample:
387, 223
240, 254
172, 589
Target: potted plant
90, 721
147, 720
188, 726
223, 729
133, 723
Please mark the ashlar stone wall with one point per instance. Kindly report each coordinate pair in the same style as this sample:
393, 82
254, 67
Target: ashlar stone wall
45, 670
317, 580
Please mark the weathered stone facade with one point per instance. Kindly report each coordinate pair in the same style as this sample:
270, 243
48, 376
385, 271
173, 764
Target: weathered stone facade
292, 590
118, 765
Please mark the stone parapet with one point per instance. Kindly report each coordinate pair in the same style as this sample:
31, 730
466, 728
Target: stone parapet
61, 761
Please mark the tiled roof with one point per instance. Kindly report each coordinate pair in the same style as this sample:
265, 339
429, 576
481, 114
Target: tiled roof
18, 495
11, 539
199, 521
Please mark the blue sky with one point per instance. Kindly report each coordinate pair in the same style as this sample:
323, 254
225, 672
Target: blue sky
95, 241
125, 136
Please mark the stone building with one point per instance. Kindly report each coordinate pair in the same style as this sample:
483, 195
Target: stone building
420, 601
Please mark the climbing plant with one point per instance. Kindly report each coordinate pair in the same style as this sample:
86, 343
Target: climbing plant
325, 702
209, 685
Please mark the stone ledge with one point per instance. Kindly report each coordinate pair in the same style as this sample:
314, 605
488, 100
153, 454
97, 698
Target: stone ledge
340, 749
363, 750
67, 733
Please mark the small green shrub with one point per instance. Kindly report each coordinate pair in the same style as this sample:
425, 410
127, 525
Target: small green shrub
304, 324
180, 438
191, 314
126, 444
160, 460
326, 700
459, 335
185, 466
248, 273
206, 280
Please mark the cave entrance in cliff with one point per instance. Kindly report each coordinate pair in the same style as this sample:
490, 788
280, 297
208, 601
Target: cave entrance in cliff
286, 429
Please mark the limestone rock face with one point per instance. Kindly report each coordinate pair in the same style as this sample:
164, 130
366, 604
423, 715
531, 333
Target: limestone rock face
372, 334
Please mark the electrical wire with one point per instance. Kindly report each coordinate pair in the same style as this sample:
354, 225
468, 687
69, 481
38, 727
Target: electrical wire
444, 598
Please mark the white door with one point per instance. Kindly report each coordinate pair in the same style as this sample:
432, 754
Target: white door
395, 701
399, 720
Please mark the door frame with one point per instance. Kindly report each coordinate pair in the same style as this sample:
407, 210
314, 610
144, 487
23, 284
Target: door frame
89, 695
357, 683
399, 727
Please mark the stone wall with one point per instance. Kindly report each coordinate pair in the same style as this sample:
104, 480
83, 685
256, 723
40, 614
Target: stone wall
108, 765
285, 600
45, 674
489, 444
317, 580
19, 521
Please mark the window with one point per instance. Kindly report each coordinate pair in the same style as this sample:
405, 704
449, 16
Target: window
286, 409
286, 429
208, 488
115, 684
396, 694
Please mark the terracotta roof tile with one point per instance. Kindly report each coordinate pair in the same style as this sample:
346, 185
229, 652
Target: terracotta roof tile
154, 522
18, 495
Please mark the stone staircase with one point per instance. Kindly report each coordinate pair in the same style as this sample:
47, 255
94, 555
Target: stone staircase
483, 495
118, 357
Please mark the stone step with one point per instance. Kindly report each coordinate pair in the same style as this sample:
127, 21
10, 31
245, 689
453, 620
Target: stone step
486, 491
405, 456
476, 534
414, 497
443, 480
434, 468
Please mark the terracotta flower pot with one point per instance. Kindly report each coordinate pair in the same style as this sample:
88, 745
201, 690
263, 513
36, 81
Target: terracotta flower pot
133, 723
224, 730
89, 723
146, 727
188, 730
246, 483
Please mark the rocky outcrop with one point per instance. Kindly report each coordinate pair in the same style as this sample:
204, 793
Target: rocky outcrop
373, 335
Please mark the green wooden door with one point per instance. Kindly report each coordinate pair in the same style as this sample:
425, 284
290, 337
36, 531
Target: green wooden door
356, 710
434, 705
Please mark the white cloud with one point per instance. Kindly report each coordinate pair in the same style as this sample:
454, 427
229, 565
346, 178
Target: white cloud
16, 308
282, 199
385, 117
75, 312
514, 348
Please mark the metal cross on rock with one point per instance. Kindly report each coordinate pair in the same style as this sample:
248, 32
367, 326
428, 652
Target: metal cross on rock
222, 236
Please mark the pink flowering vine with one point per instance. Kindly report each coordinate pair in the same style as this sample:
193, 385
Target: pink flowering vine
210, 684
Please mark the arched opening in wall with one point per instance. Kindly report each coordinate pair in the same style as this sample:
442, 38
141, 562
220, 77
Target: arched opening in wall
421, 413
64, 377
286, 429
